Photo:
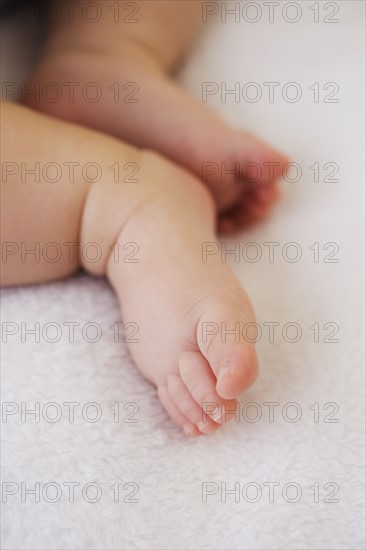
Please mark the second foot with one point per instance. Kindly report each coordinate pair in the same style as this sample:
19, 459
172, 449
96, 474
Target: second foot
151, 111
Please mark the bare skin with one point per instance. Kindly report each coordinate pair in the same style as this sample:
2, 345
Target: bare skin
152, 111
170, 292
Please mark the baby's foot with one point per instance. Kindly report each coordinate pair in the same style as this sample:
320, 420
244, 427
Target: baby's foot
139, 103
183, 306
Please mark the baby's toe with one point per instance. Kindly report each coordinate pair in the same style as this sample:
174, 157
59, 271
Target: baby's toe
259, 200
222, 341
200, 381
254, 205
262, 163
188, 406
175, 413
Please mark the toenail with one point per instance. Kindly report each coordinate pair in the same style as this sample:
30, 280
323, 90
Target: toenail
204, 427
217, 416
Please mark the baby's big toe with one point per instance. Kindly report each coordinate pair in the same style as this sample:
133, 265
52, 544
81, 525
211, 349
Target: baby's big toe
229, 352
236, 372
262, 163
200, 382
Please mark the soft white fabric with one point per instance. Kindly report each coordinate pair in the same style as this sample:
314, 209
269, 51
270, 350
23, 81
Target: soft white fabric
168, 468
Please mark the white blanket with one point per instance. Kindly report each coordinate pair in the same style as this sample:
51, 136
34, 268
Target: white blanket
288, 473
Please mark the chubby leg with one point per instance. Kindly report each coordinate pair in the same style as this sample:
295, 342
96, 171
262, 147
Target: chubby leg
48, 167
134, 98
171, 293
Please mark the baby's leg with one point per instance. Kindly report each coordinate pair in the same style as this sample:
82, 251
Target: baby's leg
189, 311
35, 208
129, 62
47, 171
